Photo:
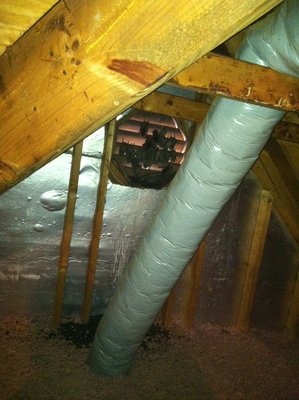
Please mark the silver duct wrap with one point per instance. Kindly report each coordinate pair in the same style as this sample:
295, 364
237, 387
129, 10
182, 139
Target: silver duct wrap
230, 141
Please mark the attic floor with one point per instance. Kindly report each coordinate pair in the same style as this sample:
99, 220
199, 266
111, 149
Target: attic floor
207, 363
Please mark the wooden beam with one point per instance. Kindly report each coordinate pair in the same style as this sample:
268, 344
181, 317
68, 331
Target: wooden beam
17, 17
275, 174
232, 46
173, 106
67, 234
181, 108
97, 221
240, 80
252, 260
86, 61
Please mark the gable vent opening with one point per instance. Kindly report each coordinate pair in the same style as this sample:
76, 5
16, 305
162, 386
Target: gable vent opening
148, 150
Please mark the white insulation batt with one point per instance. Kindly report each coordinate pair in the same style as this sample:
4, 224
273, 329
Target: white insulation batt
230, 140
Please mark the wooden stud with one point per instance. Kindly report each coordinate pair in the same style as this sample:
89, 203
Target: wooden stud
192, 277
97, 221
240, 80
252, 261
86, 61
292, 320
182, 301
67, 233
168, 309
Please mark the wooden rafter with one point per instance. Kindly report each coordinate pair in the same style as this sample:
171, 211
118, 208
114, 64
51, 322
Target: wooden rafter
86, 61
17, 17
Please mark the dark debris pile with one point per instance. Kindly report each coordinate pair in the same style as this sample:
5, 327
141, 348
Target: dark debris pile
81, 335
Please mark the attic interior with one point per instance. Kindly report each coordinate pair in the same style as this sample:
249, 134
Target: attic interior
149, 204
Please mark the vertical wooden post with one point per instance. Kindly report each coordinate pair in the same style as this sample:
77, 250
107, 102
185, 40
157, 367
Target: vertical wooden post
97, 221
252, 266
167, 311
193, 274
292, 319
182, 301
67, 233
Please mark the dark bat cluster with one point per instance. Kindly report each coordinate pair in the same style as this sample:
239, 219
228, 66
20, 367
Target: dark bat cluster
158, 148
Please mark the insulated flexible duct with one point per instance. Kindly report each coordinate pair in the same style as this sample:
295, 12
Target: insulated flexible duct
231, 138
